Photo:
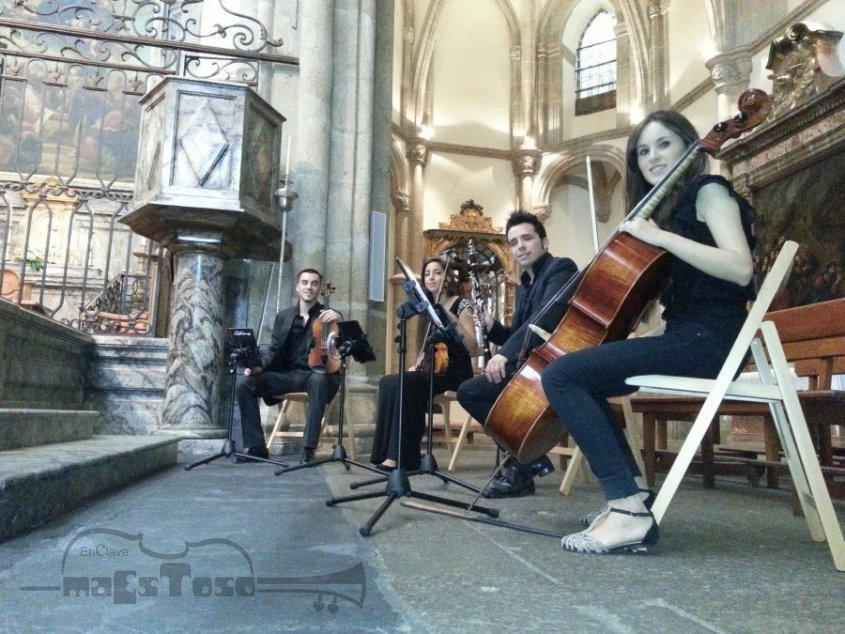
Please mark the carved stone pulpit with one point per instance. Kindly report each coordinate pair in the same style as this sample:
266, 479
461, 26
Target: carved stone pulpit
205, 180
208, 168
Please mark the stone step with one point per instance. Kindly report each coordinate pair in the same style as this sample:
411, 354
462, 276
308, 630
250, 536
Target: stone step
38, 484
29, 427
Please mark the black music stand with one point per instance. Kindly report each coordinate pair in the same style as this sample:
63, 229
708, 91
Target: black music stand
398, 484
244, 348
352, 342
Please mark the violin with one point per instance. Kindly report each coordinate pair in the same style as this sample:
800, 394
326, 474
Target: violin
614, 290
441, 350
324, 357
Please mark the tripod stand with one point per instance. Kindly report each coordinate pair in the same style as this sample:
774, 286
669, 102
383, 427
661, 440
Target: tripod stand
428, 465
398, 484
228, 449
339, 453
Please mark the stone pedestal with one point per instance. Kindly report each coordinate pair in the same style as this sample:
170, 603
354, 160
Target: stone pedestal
207, 171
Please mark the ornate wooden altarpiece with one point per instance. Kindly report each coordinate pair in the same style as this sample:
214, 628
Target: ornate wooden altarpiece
792, 168
468, 231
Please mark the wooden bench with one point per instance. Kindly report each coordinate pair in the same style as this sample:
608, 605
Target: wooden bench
813, 338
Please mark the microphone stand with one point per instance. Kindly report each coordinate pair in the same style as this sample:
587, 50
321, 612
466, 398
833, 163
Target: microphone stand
228, 449
339, 452
428, 465
398, 484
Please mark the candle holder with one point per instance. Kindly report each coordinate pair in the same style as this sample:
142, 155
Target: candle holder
286, 197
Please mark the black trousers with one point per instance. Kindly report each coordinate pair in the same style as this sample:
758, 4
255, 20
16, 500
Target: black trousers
415, 408
321, 389
477, 395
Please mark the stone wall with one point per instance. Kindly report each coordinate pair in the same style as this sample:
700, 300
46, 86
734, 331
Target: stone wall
42, 362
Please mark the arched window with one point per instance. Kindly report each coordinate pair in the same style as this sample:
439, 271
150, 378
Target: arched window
595, 65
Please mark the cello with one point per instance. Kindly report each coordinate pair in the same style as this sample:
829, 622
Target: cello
612, 292
324, 357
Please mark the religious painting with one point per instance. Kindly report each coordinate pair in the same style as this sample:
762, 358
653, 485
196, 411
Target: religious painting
70, 120
806, 206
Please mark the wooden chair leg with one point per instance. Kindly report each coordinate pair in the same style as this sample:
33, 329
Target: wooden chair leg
633, 431
459, 443
281, 418
649, 447
447, 429
574, 466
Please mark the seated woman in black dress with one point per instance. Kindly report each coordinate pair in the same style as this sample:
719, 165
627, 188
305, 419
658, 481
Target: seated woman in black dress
451, 307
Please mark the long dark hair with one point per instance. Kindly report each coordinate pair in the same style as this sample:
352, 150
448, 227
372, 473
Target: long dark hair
450, 283
637, 186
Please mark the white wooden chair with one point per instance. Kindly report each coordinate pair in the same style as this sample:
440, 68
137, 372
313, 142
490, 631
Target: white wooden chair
444, 402
282, 430
470, 426
776, 388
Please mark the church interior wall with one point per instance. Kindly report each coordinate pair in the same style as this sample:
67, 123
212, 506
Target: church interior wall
689, 44
460, 177
472, 81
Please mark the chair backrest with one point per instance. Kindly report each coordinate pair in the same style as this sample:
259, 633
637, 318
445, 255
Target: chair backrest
772, 285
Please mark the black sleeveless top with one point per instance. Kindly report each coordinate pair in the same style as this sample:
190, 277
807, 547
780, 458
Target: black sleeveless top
694, 296
460, 363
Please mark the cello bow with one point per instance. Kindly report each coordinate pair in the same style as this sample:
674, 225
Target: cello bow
611, 294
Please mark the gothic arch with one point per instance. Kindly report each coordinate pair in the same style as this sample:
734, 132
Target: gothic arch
562, 164
632, 18
424, 54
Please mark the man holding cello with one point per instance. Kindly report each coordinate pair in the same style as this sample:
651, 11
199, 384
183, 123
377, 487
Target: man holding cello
543, 275
285, 368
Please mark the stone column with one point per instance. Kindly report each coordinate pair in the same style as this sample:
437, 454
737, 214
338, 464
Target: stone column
526, 164
731, 74
409, 231
419, 154
311, 160
195, 358
626, 99
657, 65
206, 175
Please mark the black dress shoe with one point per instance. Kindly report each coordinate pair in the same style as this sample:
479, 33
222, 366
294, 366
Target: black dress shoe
516, 483
307, 456
536, 469
541, 467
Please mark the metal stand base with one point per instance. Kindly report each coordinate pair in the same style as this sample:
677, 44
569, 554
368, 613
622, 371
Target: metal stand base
428, 466
338, 455
399, 486
228, 449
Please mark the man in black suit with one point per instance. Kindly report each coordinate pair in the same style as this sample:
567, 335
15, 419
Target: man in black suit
284, 368
542, 276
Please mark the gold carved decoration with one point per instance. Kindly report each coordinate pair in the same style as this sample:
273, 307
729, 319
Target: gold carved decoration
804, 63
454, 236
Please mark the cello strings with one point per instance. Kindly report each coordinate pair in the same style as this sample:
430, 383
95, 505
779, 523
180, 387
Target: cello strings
643, 209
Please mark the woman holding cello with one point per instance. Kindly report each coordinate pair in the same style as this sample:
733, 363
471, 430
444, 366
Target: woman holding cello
706, 228
452, 366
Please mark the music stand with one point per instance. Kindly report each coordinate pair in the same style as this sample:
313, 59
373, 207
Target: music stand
398, 484
243, 347
352, 342
428, 464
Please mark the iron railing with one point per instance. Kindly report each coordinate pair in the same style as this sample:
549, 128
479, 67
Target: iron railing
72, 73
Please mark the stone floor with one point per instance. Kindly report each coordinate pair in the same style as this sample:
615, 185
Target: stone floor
230, 547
